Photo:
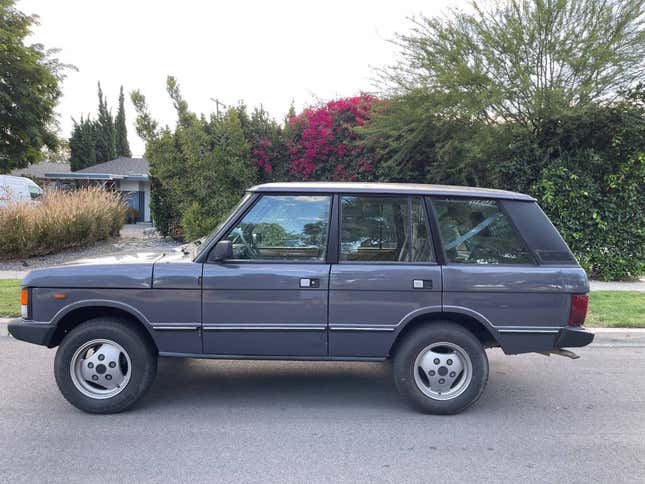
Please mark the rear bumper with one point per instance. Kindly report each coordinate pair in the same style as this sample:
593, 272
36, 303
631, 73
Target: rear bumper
573, 338
31, 332
540, 340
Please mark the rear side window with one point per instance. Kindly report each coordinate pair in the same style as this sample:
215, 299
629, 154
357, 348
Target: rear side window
384, 229
477, 231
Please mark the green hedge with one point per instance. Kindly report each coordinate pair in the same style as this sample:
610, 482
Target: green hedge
602, 218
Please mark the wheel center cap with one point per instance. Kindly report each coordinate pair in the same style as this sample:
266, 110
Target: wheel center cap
100, 369
443, 371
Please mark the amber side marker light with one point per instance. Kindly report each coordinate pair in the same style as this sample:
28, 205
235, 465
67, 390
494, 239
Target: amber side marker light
60, 295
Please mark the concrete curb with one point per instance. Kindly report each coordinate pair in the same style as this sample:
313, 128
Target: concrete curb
3, 326
605, 337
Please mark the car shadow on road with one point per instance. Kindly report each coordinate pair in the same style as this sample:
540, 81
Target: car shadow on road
263, 385
225, 383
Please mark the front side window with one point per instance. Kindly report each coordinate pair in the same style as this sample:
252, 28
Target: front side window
476, 231
283, 228
384, 229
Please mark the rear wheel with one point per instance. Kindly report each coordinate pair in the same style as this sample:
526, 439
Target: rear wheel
441, 368
104, 366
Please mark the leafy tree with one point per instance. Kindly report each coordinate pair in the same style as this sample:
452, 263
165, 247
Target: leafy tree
267, 143
30, 79
472, 84
200, 170
522, 62
105, 132
121, 130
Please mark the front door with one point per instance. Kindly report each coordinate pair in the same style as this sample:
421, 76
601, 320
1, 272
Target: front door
271, 298
387, 272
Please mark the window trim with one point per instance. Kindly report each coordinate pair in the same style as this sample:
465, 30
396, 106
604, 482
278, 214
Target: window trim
499, 202
440, 254
245, 210
407, 196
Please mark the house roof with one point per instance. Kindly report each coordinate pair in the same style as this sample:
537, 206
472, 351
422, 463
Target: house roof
120, 166
389, 188
38, 170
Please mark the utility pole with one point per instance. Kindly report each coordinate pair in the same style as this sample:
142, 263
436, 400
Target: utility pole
218, 103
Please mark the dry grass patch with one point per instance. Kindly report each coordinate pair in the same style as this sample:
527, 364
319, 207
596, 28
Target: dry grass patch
61, 220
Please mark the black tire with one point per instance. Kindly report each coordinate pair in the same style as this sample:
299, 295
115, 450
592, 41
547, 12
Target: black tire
417, 341
133, 340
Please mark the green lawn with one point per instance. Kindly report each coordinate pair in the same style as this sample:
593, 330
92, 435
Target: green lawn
609, 309
616, 309
9, 297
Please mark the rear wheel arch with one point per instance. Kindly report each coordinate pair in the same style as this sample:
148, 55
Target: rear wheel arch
468, 322
77, 316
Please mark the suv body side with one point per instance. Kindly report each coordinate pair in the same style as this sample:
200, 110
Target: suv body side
329, 307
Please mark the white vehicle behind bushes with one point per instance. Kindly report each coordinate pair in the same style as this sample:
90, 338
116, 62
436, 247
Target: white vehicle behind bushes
18, 189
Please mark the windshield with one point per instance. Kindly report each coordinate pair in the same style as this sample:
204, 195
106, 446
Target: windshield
201, 244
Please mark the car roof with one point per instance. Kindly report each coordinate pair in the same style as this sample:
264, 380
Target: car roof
17, 180
389, 188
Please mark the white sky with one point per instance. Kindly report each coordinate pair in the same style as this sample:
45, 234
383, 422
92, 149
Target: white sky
262, 52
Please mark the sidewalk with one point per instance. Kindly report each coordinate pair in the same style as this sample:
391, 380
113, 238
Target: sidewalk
618, 286
13, 274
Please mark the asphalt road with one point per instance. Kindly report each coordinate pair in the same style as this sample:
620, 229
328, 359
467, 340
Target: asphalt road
540, 420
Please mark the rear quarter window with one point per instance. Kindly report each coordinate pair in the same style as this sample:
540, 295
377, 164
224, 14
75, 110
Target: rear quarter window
536, 228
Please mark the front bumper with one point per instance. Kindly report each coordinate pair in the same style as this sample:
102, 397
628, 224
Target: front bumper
32, 332
573, 338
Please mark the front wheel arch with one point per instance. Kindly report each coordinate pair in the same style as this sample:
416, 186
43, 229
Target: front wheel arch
78, 316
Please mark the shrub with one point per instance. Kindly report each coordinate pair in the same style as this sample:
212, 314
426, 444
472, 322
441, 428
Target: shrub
59, 221
323, 142
601, 219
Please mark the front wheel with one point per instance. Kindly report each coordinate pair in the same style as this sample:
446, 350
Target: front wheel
441, 368
104, 366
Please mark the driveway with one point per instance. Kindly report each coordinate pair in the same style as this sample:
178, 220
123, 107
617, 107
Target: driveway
131, 246
540, 420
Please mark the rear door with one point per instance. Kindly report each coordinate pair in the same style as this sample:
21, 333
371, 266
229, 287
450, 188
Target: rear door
491, 270
386, 270
271, 298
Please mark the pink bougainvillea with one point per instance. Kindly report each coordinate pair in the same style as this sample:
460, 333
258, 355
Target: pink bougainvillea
322, 143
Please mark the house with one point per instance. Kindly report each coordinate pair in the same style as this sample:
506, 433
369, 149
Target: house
128, 175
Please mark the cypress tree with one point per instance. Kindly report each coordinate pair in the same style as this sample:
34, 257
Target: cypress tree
82, 144
105, 136
122, 146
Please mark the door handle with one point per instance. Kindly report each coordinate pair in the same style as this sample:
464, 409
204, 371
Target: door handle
422, 283
309, 283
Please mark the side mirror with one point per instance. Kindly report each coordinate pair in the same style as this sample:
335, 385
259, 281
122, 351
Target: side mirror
222, 250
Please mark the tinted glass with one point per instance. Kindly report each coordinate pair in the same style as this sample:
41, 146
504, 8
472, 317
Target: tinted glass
478, 232
376, 229
289, 228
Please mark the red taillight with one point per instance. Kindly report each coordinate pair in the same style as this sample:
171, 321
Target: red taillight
579, 304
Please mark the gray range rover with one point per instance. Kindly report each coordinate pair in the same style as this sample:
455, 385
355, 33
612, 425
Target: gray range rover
429, 276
